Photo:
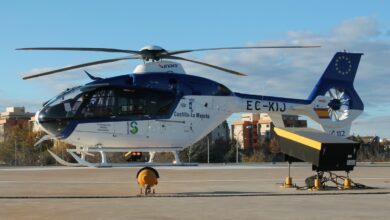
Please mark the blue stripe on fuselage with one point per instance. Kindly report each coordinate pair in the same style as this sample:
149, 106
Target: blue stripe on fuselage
180, 83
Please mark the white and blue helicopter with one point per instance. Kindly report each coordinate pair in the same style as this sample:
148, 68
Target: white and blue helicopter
160, 108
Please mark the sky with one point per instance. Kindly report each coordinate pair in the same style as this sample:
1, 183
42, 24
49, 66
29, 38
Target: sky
355, 26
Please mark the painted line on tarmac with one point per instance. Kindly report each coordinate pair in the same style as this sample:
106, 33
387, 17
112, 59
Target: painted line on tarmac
127, 182
166, 181
199, 195
11, 169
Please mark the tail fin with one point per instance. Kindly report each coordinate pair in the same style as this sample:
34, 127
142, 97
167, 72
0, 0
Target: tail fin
334, 101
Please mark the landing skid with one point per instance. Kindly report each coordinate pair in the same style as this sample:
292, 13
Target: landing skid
63, 162
81, 161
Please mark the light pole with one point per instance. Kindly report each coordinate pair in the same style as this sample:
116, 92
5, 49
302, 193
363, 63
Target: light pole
238, 137
208, 150
237, 152
189, 154
15, 153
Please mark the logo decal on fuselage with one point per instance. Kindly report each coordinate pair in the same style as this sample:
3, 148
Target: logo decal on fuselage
191, 115
169, 65
343, 65
132, 127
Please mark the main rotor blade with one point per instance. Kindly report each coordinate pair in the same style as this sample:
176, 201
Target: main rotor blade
82, 65
174, 52
110, 50
205, 64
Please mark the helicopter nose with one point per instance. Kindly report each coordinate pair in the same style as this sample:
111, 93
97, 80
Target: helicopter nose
50, 122
37, 122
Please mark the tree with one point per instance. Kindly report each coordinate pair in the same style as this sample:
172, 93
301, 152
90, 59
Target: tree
18, 147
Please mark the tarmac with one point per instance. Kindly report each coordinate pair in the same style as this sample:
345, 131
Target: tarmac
250, 191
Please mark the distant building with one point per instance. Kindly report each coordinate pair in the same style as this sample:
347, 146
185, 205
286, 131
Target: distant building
254, 129
264, 127
11, 117
244, 131
292, 121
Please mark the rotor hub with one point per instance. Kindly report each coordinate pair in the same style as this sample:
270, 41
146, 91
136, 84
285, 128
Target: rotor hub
335, 104
152, 47
152, 52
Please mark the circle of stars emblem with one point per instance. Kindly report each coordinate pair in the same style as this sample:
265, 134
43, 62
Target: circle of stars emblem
343, 65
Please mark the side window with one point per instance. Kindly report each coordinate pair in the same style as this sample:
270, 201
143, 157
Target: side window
143, 102
160, 103
130, 102
124, 102
101, 104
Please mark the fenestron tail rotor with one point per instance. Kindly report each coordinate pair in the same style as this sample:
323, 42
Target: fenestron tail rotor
153, 53
339, 105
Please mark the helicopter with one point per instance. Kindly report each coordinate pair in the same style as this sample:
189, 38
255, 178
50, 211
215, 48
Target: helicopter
161, 108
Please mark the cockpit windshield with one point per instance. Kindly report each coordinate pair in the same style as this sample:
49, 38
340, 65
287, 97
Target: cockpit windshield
66, 95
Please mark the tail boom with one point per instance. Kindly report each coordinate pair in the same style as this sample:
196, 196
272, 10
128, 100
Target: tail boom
333, 103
